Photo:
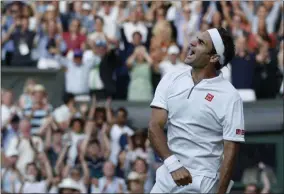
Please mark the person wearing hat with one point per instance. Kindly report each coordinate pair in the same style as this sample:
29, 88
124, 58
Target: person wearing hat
10, 175
87, 18
68, 186
172, 62
39, 109
135, 183
76, 72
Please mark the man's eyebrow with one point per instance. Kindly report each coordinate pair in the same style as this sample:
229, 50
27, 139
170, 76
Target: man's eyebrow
200, 40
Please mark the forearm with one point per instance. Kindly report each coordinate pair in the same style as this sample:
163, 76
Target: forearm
158, 141
230, 154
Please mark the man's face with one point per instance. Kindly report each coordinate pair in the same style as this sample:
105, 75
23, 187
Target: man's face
108, 169
77, 60
25, 127
173, 58
198, 55
137, 39
261, 12
39, 96
93, 149
7, 98
75, 26
121, 119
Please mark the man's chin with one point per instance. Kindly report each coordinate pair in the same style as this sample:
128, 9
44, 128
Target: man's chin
188, 61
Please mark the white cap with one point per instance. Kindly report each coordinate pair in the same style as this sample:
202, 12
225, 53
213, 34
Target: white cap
12, 152
86, 6
69, 183
133, 176
173, 50
62, 114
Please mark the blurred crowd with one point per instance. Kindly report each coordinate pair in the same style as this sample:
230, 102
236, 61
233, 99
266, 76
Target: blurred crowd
122, 49
113, 50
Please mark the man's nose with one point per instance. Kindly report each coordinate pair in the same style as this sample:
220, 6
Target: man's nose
193, 43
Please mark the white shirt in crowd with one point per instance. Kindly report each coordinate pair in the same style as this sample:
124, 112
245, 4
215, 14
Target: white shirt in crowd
115, 134
33, 187
167, 66
130, 27
200, 117
74, 139
26, 152
110, 25
76, 76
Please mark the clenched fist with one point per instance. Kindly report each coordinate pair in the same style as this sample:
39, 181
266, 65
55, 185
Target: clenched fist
182, 176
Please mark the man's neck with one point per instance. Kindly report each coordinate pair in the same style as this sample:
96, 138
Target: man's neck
199, 74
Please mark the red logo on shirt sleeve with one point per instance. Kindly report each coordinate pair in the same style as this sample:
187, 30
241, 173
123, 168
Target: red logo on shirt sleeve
240, 131
209, 97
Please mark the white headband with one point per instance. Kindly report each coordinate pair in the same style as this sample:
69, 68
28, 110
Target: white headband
218, 44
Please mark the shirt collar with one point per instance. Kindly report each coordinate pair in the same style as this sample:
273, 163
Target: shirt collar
218, 78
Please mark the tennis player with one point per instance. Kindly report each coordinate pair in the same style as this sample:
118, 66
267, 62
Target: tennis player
204, 115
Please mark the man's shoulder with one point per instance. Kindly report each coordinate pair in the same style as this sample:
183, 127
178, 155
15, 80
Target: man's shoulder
176, 74
230, 91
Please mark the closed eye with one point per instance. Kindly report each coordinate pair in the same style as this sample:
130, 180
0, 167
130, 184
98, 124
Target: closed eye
200, 41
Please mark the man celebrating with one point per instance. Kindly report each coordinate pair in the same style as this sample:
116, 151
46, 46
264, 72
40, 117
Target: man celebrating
205, 120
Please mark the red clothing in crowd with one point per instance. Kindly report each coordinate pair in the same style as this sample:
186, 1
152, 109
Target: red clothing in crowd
75, 42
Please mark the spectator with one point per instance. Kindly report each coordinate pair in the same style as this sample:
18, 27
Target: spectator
74, 136
22, 39
172, 62
87, 19
107, 69
116, 131
49, 44
109, 13
110, 183
135, 183
26, 98
255, 40
26, 145
77, 73
8, 110
140, 166
10, 132
54, 146
140, 64
242, 64
270, 16
73, 38
69, 186
34, 182
10, 175
64, 113
39, 109
266, 74
99, 33
135, 23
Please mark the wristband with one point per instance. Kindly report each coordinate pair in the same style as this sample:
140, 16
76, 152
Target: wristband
172, 163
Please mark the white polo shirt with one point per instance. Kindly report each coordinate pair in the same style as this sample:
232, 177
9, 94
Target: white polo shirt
200, 117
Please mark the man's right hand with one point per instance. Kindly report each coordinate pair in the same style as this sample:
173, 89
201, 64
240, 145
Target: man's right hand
182, 176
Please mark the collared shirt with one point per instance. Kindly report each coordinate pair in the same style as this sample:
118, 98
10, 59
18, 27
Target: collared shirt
200, 117
76, 76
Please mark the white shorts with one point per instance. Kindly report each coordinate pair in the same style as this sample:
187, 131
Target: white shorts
200, 183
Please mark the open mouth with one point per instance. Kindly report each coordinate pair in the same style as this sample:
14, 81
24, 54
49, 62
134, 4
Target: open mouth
191, 52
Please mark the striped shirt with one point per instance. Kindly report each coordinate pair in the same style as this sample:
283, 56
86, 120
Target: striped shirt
37, 117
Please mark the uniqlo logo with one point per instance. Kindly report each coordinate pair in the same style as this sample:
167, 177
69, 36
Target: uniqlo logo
240, 131
209, 97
